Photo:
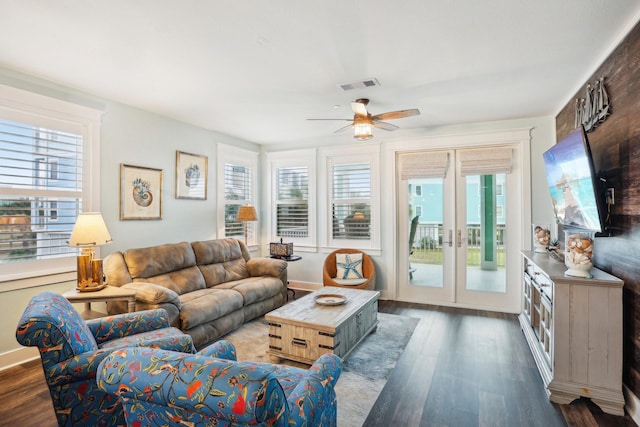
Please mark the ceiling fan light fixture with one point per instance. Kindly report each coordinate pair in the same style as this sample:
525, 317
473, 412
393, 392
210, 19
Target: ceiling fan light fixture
362, 131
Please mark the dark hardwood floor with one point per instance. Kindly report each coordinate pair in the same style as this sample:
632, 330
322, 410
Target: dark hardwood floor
469, 368
461, 368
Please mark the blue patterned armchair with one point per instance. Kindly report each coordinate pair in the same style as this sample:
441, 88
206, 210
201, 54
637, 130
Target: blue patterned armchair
71, 350
165, 388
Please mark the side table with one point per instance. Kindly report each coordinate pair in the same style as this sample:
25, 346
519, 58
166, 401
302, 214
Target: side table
109, 293
289, 258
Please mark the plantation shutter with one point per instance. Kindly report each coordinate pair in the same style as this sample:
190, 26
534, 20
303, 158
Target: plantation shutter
292, 202
486, 161
237, 192
423, 164
41, 190
351, 200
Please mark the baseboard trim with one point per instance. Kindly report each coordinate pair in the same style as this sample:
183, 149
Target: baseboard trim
632, 405
16, 357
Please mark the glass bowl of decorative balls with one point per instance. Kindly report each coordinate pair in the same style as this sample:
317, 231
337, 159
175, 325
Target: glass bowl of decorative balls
578, 253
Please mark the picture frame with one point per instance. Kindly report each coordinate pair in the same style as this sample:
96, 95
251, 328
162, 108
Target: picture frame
140, 192
191, 176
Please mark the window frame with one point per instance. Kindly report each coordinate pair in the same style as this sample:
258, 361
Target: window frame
360, 154
290, 159
27, 107
248, 159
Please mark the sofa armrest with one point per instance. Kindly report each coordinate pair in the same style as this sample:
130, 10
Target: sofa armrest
78, 368
150, 293
267, 267
222, 349
126, 324
315, 387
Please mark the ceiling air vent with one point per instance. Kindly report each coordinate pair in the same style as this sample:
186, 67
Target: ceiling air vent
360, 85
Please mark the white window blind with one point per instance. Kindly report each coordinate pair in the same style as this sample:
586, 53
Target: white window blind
351, 200
423, 164
237, 192
292, 202
486, 161
41, 191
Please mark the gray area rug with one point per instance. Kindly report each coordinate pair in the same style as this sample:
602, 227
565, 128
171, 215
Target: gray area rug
365, 370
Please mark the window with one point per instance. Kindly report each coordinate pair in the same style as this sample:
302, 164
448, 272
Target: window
292, 204
238, 169
292, 207
351, 200
46, 148
352, 197
418, 190
419, 210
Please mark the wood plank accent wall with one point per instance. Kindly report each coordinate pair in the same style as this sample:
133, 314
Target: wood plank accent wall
616, 150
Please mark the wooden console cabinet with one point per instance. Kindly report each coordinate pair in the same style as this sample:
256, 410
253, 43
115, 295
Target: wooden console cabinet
574, 329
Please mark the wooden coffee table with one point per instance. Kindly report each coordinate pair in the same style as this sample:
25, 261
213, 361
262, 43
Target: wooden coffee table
303, 330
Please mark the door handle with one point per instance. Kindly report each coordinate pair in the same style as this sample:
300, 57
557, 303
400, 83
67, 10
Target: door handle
459, 238
450, 242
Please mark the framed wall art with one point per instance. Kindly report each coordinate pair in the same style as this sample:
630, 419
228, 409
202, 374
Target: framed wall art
191, 176
140, 192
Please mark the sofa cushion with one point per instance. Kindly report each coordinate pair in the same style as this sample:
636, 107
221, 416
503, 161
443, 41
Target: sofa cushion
206, 305
254, 289
156, 260
220, 261
180, 281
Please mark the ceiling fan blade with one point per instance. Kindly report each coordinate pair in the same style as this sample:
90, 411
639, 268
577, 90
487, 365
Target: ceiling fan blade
342, 129
391, 115
385, 126
348, 120
359, 109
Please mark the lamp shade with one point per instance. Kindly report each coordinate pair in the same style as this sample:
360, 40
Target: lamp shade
90, 230
247, 213
362, 130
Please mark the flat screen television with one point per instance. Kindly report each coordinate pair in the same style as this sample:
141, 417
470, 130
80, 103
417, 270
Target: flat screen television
573, 183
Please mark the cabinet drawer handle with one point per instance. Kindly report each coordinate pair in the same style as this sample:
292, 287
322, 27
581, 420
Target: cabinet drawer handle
299, 342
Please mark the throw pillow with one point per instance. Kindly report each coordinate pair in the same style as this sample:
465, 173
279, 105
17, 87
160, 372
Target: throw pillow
349, 266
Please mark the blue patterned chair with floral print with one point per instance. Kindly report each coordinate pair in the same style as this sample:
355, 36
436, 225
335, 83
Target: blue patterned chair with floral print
165, 388
71, 349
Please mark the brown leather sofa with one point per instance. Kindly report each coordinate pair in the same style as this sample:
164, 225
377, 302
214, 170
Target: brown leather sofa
208, 288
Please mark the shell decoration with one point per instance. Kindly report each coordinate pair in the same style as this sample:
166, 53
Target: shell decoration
578, 254
142, 194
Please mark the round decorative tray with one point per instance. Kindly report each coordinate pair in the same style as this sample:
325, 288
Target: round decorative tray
330, 299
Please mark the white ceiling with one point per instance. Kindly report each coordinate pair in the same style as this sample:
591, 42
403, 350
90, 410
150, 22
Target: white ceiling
258, 69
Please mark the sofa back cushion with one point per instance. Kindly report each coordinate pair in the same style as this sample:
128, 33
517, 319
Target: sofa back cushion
221, 260
172, 266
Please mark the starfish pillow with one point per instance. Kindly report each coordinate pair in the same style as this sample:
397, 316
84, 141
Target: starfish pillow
349, 266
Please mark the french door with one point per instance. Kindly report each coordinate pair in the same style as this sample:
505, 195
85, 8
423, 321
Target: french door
454, 244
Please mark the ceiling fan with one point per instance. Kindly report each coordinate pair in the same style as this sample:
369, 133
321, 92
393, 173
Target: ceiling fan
363, 122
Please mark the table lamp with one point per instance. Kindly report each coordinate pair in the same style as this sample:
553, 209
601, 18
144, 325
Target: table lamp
245, 214
89, 231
